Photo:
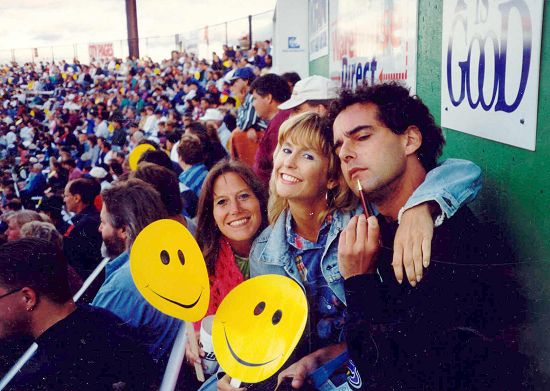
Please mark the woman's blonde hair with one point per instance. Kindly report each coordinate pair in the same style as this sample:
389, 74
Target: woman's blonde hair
312, 131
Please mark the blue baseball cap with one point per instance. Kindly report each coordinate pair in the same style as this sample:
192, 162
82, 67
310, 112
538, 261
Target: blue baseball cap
245, 73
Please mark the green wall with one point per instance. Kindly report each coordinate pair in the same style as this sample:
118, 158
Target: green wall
319, 66
516, 192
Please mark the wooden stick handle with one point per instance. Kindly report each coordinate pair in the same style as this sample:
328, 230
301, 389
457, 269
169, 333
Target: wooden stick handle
192, 338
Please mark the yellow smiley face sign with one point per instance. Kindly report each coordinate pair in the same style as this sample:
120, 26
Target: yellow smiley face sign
169, 270
136, 154
258, 325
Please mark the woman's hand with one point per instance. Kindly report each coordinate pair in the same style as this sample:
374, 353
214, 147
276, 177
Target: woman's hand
223, 385
191, 357
413, 243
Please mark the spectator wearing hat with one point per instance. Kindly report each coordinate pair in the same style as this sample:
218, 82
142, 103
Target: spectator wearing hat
214, 117
240, 87
314, 93
269, 92
102, 177
249, 130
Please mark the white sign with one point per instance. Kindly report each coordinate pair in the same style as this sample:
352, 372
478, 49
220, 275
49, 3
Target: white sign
373, 41
318, 29
490, 69
101, 51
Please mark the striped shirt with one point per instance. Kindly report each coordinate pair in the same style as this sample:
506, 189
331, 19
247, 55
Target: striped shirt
247, 117
194, 177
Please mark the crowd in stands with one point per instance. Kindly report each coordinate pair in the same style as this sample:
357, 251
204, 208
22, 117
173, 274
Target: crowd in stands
250, 162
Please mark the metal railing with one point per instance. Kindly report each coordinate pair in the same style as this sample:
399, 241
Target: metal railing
201, 41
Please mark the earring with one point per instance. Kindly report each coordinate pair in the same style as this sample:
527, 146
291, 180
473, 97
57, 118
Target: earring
329, 197
29, 309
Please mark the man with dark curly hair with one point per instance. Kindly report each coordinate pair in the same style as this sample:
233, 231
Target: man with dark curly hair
449, 330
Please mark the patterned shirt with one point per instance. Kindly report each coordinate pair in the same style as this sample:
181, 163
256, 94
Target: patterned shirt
327, 312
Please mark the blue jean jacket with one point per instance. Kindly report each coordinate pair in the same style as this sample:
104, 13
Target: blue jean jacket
270, 253
452, 184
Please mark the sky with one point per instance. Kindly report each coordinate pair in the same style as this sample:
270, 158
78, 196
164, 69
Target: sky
38, 23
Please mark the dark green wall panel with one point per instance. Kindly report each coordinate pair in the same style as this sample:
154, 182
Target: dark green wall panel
516, 191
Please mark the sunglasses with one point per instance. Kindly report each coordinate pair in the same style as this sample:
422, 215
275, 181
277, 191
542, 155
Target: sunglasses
10, 293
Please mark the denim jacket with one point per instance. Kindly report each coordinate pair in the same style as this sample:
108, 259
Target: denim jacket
270, 253
452, 184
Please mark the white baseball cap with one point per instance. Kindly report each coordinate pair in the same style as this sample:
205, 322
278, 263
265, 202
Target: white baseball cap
212, 115
98, 172
311, 88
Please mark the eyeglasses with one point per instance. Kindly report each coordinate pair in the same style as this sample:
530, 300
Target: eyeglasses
10, 293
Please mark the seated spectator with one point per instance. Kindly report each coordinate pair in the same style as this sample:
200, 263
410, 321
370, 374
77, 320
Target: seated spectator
456, 326
35, 183
52, 207
291, 78
17, 219
79, 347
214, 117
191, 160
72, 169
47, 231
58, 176
166, 183
231, 193
128, 207
13, 205
230, 117
269, 92
314, 94
214, 151
160, 157
82, 241
249, 131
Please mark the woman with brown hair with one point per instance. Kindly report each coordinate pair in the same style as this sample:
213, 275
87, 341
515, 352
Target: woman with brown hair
232, 212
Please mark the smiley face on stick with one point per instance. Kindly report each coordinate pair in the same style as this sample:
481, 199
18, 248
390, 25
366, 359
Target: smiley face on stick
169, 270
258, 325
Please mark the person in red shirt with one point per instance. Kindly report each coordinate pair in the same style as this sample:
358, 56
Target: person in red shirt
269, 92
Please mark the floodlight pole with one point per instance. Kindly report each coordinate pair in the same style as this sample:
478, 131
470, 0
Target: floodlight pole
133, 37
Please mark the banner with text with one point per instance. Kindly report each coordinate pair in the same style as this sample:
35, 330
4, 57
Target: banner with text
490, 60
373, 41
318, 29
101, 51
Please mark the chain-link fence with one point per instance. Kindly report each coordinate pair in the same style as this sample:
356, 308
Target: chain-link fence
202, 42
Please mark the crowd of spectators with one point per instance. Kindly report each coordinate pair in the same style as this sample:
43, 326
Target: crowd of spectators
226, 141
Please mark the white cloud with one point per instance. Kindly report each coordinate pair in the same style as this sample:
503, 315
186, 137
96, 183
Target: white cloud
37, 23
